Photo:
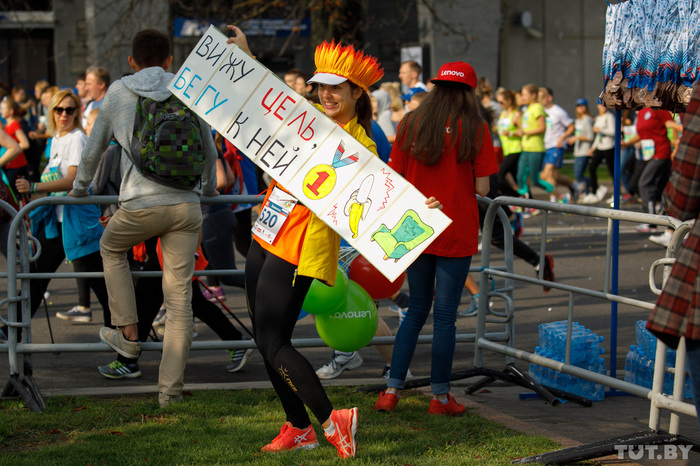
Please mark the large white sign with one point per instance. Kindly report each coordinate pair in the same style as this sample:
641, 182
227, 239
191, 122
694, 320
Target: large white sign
371, 206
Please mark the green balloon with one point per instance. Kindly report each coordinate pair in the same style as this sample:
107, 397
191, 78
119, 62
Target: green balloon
322, 299
354, 325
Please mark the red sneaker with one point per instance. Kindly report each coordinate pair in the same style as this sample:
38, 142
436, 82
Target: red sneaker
291, 438
452, 408
343, 439
548, 271
386, 401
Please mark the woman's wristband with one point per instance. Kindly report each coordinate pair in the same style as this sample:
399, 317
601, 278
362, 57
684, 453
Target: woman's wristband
32, 187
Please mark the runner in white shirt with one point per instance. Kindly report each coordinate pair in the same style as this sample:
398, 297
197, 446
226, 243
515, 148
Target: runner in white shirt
559, 127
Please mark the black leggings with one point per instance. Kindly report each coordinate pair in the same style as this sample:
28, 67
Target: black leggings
509, 165
599, 156
520, 249
149, 297
274, 302
51, 258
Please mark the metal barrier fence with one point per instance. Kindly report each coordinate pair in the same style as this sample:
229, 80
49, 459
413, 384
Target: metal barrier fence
500, 341
19, 318
659, 400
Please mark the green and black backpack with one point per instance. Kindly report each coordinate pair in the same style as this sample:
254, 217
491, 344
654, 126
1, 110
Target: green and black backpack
167, 143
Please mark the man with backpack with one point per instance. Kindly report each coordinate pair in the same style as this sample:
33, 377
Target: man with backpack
167, 161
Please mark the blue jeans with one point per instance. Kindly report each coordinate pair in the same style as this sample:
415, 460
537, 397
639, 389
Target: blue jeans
693, 360
444, 278
580, 165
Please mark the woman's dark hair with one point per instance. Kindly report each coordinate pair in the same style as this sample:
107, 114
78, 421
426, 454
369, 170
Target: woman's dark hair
363, 108
422, 131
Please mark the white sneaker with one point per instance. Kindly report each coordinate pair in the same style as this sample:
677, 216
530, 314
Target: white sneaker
601, 192
338, 363
664, 239
589, 198
76, 315
160, 317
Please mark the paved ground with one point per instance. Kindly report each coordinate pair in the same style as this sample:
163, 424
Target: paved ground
578, 246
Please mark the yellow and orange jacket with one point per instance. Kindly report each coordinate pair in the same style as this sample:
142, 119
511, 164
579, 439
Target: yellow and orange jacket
314, 248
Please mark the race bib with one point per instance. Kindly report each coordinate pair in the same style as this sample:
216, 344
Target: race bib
274, 213
648, 150
503, 125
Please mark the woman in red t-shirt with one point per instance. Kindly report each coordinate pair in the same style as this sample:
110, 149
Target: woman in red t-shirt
12, 113
444, 149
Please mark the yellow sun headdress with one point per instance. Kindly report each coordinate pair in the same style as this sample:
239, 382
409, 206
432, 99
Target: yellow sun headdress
336, 63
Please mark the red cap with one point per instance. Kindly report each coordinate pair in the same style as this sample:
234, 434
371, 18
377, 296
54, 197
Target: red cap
457, 72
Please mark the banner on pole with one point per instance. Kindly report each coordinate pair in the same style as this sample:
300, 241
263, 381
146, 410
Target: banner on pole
348, 187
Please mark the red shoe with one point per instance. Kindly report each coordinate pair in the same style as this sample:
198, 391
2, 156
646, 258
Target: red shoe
343, 439
291, 438
548, 271
452, 408
386, 401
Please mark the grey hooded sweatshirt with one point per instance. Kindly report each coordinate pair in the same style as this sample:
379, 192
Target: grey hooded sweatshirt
384, 112
116, 119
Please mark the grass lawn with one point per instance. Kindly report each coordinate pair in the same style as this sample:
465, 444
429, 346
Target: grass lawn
230, 427
568, 169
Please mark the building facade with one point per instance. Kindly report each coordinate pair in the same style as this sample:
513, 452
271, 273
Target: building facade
553, 43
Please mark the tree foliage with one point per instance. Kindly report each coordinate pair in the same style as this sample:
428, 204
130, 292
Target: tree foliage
342, 20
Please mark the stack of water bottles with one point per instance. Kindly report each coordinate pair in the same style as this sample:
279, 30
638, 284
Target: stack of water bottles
586, 352
639, 363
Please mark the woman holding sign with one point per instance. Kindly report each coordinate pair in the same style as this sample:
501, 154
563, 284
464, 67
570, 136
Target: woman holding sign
444, 149
291, 248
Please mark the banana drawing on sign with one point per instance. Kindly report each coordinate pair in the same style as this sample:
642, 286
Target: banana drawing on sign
359, 204
326, 169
